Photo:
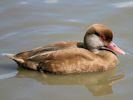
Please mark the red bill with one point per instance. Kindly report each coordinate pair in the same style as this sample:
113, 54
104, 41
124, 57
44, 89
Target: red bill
115, 48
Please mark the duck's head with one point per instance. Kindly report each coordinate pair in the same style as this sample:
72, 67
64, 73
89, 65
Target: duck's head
99, 36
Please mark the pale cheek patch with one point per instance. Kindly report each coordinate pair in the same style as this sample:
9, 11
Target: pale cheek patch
94, 41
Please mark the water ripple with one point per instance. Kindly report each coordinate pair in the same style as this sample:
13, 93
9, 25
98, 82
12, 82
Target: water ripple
8, 35
23, 2
50, 1
123, 4
4, 76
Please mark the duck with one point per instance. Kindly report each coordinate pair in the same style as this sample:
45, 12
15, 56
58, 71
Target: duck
97, 53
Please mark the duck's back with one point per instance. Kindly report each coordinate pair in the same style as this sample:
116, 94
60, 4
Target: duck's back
47, 48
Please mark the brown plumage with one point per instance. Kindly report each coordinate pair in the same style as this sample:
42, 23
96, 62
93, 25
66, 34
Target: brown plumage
93, 55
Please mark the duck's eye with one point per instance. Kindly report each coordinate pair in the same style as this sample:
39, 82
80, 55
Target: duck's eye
96, 33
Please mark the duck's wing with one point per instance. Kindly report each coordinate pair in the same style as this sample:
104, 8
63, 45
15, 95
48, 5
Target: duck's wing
60, 54
48, 48
67, 60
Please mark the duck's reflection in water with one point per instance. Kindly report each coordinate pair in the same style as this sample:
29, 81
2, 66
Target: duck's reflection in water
98, 84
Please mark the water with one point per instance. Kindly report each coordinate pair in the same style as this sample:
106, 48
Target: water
26, 24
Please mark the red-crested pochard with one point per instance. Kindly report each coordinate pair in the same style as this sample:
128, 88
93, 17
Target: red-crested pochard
95, 54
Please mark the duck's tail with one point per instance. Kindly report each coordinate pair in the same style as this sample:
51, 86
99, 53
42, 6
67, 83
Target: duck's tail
13, 57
